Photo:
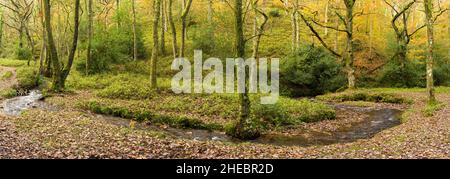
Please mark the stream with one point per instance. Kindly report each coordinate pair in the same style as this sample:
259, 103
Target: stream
377, 121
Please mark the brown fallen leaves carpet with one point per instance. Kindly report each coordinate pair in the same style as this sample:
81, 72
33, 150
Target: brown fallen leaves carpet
73, 134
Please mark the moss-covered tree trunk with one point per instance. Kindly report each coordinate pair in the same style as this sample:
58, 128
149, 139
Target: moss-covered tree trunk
52, 48
428, 4
59, 74
135, 50
350, 52
163, 28
154, 58
172, 29
184, 16
240, 53
90, 36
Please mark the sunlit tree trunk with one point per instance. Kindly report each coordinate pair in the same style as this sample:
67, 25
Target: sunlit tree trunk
350, 52
258, 29
90, 36
135, 50
172, 29
154, 58
184, 16
119, 17
44, 40
428, 4
163, 28
1, 27
326, 16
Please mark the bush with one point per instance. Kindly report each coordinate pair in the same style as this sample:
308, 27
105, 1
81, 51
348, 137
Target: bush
7, 75
251, 129
363, 96
149, 116
275, 13
310, 71
27, 78
307, 111
411, 75
24, 54
8, 93
124, 90
271, 115
202, 39
113, 46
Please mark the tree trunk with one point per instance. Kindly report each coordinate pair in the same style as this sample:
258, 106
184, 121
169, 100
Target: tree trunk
350, 52
52, 48
119, 18
156, 14
163, 28
173, 29
428, 4
184, 16
258, 30
44, 41
294, 24
1, 28
90, 36
240, 53
211, 22
31, 44
326, 17
76, 22
135, 50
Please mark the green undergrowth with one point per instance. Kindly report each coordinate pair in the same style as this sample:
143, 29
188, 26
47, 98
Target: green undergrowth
432, 107
377, 97
211, 112
152, 117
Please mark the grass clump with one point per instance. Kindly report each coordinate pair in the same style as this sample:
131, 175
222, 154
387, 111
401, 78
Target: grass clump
127, 91
8, 93
26, 77
365, 96
7, 75
249, 130
150, 116
432, 107
12, 63
307, 111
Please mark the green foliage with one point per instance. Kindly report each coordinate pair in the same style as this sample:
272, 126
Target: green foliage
275, 12
310, 71
271, 115
364, 96
411, 75
149, 116
7, 75
8, 93
307, 111
432, 107
249, 130
121, 90
203, 39
111, 46
12, 63
26, 78
24, 54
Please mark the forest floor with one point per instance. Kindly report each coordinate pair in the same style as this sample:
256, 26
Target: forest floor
70, 132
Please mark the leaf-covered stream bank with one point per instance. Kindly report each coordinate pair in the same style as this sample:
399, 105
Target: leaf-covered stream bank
358, 132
